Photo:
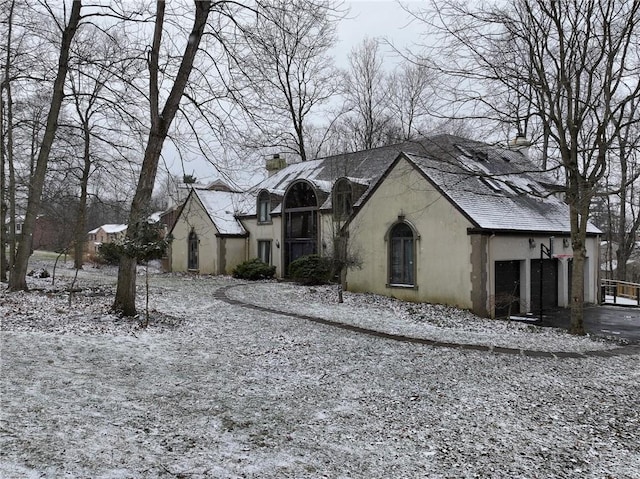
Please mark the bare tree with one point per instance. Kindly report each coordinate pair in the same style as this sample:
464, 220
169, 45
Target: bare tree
6, 140
161, 119
409, 97
68, 28
572, 66
624, 170
367, 97
284, 71
99, 78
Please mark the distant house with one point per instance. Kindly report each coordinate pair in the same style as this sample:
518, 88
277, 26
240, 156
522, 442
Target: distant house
108, 233
444, 220
49, 233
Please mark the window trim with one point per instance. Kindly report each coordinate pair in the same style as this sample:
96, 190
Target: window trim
193, 240
268, 244
342, 198
264, 198
389, 240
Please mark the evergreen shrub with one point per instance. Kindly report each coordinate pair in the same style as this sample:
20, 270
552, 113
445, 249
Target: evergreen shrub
253, 270
311, 269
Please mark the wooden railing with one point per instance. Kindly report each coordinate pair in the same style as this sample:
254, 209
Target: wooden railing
620, 292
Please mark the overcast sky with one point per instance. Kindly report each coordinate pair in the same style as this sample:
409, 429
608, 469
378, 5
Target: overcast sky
376, 18
370, 18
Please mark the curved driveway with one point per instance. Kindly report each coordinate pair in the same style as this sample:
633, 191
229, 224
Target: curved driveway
221, 294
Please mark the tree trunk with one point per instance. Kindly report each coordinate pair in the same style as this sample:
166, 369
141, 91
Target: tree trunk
6, 155
577, 291
81, 221
125, 300
578, 218
18, 277
3, 204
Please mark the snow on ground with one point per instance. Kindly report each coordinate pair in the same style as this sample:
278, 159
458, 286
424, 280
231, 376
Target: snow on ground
429, 321
213, 390
609, 299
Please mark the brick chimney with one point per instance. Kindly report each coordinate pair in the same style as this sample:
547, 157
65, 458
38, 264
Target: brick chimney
275, 164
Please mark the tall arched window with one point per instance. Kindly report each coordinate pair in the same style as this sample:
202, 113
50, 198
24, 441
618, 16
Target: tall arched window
402, 253
192, 254
300, 222
342, 198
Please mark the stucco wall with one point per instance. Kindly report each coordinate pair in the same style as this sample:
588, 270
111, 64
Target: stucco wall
194, 217
267, 231
443, 250
232, 253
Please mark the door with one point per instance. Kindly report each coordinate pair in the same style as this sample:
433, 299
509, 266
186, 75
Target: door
507, 288
549, 284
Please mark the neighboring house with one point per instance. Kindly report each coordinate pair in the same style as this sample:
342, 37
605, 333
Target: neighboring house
443, 220
49, 234
108, 233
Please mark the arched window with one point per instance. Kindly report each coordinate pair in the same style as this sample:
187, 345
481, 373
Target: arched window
402, 253
192, 254
342, 198
300, 222
264, 207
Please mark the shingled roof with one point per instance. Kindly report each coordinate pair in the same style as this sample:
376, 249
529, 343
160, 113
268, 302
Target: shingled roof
496, 188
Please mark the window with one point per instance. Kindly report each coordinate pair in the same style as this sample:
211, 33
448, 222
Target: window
192, 254
264, 251
264, 207
401, 255
342, 198
300, 218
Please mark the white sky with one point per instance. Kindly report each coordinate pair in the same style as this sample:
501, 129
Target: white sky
377, 18
385, 19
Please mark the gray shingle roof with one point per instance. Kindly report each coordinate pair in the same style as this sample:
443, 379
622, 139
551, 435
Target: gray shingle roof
497, 188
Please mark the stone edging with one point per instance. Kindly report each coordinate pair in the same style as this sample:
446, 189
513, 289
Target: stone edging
221, 294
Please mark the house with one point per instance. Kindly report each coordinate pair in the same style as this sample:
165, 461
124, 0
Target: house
207, 237
108, 233
49, 233
443, 220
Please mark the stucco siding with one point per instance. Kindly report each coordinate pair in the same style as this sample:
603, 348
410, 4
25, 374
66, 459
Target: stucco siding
443, 249
194, 218
232, 253
266, 232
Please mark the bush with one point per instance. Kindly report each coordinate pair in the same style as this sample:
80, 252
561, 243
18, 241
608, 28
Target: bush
311, 269
109, 253
254, 269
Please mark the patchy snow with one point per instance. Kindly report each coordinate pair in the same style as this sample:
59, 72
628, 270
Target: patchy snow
429, 321
213, 390
221, 208
609, 299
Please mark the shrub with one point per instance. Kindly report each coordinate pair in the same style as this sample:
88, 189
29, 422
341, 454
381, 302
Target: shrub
109, 253
254, 269
311, 269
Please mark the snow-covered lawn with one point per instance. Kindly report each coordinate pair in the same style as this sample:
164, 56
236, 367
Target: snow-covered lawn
215, 390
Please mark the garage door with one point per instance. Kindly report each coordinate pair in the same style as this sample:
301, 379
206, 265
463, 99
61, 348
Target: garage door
549, 284
507, 290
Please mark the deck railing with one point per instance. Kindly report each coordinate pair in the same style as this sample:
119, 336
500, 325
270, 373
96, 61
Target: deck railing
620, 292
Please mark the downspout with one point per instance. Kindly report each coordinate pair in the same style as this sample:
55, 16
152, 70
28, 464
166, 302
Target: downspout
492, 311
